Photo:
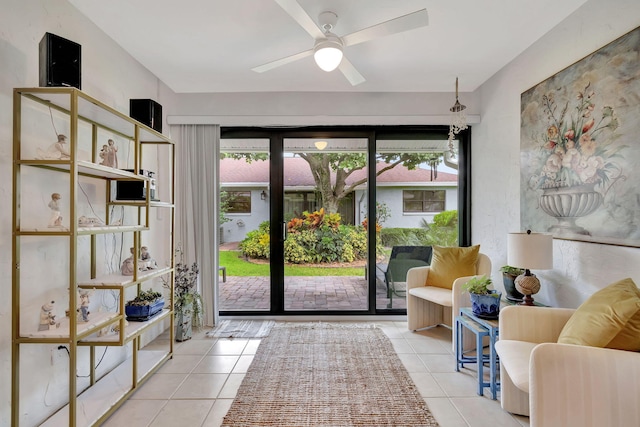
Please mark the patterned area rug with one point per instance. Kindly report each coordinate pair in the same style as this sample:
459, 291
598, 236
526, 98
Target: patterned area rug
317, 374
241, 329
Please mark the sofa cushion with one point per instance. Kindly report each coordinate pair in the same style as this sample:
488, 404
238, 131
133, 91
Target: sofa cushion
440, 296
609, 318
450, 263
514, 357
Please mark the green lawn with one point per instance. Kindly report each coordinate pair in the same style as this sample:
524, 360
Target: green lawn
237, 266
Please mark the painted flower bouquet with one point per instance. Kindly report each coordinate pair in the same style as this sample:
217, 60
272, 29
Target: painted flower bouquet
576, 147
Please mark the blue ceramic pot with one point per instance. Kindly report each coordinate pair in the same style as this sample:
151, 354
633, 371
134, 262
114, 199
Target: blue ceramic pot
486, 305
143, 312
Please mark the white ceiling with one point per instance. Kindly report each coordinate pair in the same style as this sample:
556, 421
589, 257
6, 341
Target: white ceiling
211, 45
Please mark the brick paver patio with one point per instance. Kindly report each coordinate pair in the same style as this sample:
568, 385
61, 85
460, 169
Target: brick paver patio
242, 293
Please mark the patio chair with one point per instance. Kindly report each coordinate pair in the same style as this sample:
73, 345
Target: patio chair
401, 260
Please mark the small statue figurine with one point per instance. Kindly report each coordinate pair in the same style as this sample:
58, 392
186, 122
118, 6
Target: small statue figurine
146, 262
86, 221
108, 154
83, 305
128, 265
56, 151
103, 153
47, 318
56, 217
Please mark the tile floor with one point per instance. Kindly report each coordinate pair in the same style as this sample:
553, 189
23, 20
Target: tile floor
197, 386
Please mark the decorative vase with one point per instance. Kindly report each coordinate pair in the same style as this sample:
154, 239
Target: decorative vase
566, 204
486, 306
510, 288
183, 322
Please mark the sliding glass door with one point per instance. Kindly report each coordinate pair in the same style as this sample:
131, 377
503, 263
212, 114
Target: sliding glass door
318, 220
325, 247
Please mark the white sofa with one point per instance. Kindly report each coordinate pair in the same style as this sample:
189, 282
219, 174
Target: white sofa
431, 305
563, 385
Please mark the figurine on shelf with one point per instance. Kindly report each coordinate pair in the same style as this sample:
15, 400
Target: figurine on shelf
85, 221
103, 153
108, 154
57, 151
146, 262
83, 305
56, 217
128, 265
47, 318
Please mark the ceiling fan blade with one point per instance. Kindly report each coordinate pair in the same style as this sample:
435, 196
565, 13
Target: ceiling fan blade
293, 8
282, 61
408, 22
350, 72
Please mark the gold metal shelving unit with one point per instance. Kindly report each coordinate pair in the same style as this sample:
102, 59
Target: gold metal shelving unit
104, 395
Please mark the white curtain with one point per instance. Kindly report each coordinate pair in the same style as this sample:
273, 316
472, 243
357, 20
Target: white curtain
197, 183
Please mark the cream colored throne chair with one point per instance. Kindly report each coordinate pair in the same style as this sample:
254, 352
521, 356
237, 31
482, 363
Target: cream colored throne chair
434, 293
570, 368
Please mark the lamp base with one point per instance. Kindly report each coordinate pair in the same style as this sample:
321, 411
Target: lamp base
527, 284
527, 300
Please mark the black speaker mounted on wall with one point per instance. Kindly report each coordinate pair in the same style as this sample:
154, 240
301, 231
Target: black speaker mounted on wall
146, 111
60, 62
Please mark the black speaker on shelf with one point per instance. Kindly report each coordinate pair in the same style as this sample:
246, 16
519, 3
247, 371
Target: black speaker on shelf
137, 190
60, 62
146, 111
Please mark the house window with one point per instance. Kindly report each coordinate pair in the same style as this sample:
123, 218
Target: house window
239, 201
423, 200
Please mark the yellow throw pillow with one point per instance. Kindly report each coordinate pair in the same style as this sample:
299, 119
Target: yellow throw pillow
450, 263
609, 318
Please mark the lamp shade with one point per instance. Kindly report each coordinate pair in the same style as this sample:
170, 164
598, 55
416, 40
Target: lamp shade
328, 53
533, 251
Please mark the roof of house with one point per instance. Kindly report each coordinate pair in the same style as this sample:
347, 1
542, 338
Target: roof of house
298, 173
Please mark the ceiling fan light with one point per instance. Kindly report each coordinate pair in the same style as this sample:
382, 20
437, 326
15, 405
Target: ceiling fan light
328, 54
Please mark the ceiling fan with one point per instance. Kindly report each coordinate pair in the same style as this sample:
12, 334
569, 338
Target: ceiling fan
328, 47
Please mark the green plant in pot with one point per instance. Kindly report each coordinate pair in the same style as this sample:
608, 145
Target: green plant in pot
485, 302
144, 306
509, 275
187, 299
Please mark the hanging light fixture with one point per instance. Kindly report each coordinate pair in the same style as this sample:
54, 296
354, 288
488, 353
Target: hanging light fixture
321, 145
458, 119
328, 50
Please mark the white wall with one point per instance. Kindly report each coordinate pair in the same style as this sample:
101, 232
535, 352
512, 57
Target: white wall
579, 268
239, 225
400, 219
108, 74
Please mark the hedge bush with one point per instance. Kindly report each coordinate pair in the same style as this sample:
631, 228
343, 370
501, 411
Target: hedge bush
313, 238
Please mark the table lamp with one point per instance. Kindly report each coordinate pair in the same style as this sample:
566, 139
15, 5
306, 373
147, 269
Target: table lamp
530, 251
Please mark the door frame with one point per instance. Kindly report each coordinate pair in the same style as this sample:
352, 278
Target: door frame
276, 138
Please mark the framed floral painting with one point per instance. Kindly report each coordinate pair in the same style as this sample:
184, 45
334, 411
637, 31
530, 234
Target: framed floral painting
580, 148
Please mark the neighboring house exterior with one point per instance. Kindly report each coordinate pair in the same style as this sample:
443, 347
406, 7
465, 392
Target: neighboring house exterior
410, 195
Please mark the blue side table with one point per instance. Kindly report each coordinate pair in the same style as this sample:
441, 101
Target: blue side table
480, 328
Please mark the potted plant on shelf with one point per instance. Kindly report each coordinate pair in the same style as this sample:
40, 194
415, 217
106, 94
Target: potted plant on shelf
144, 306
485, 302
509, 275
187, 299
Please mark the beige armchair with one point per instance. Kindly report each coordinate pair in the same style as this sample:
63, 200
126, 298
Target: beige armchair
430, 305
562, 384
